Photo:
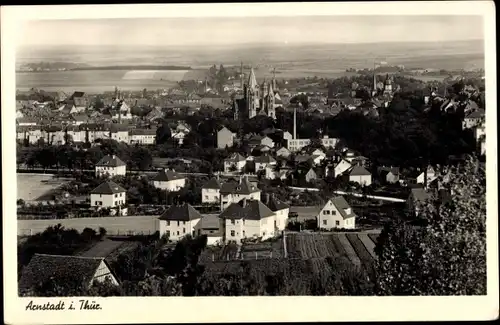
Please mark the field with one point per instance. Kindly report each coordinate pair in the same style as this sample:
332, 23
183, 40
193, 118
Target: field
113, 225
357, 247
38, 187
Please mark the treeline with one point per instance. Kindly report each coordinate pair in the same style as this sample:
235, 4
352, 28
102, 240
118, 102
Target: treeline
135, 67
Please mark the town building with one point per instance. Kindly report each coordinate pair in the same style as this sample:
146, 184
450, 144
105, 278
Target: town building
169, 180
283, 152
80, 99
417, 197
234, 191
473, 119
225, 138
360, 175
247, 218
64, 270
210, 192
389, 174
109, 195
336, 213
264, 161
142, 136
120, 133
180, 220
281, 211
234, 163
110, 165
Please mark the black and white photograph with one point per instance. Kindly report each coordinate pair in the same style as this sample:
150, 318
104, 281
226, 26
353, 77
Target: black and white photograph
220, 155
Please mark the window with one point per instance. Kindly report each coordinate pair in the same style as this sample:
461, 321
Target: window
334, 212
206, 197
177, 233
243, 232
178, 223
121, 194
168, 222
337, 223
183, 230
325, 222
184, 222
232, 233
233, 222
264, 233
168, 232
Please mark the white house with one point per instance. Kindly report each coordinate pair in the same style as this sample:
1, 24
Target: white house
169, 180
179, 221
225, 138
264, 161
109, 195
295, 145
473, 119
110, 165
287, 136
341, 167
247, 218
431, 176
142, 136
281, 211
360, 175
271, 173
336, 213
179, 136
235, 161
120, 133
210, 192
267, 141
283, 152
329, 142
233, 191
389, 174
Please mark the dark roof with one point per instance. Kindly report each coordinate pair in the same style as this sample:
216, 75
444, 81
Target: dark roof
63, 269
419, 194
341, 204
247, 209
108, 187
142, 132
274, 204
243, 187
264, 159
358, 170
166, 175
77, 94
111, 161
80, 117
213, 183
118, 127
235, 157
210, 222
476, 114
183, 212
386, 170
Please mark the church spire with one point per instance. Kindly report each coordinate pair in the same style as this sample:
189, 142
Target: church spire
252, 81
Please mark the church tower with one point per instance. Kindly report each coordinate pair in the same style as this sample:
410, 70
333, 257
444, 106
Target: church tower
270, 102
252, 95
388, 85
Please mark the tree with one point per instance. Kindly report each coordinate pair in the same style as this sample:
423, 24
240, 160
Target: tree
446, 253
163, 133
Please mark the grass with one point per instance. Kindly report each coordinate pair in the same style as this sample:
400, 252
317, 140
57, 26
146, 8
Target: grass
36, 187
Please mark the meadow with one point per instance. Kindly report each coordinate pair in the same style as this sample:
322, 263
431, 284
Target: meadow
31, 187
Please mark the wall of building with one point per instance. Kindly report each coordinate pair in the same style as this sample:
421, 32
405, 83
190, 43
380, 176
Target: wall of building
179, 229
365, 180
108, 200
103, 273
112, 171
329, 217
171, 186
210, 195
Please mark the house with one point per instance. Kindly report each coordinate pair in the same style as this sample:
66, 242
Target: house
247, 218
311, 175
287, 136
80, 98
271, 173
169, 180
225, 138
120, 133
264, 161
328, 142
179, 136
77, 119
235, 162
211, 226
283, 152
27, 121
142, 136
74, 133
360, 175
431, 176
179, 221
64, 270
267, 141
389, 174
417, 197
110, 165
210, 192
32, 134
154, 115
109, 195
233, 191
68, 108
336, 213
341, 167
295, 145
316, 159
473, 119
280, 210
19, 114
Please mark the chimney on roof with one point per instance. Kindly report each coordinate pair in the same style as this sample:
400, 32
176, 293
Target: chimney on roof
244, 202
267, 198
241, 179
113, 156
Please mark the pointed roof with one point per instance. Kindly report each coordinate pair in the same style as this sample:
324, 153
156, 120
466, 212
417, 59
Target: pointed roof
213, 183
358, 170
244, 187
235, 157
63, 269
252, 81
275, 205
183, 212
342, 205
111, 161
247, 209
108, 187
166, 175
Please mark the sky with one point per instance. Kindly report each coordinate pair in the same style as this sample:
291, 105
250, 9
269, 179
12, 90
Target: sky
270, 30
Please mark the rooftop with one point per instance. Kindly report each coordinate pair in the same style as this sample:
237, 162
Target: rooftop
108, 187
183, 212
111, 161
247, 209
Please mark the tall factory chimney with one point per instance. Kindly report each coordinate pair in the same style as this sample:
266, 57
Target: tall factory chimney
241, 75
295, 122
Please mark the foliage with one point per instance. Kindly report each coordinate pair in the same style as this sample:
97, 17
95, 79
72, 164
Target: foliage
447, 254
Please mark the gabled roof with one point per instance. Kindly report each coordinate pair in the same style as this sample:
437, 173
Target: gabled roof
275, 205
224, 129
387, 170
167, 175
247, 209
108, 187
235, 157
341, 204
77, 94
264, 159
358, 170
142, 132
213, 183
110, 161
252, 81
183, 212
63, 269
243, 187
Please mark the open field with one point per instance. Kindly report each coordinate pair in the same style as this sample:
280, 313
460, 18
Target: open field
113, 225
38, 187
357, 247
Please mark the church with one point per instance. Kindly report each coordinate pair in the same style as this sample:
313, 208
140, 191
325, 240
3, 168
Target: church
257, 99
